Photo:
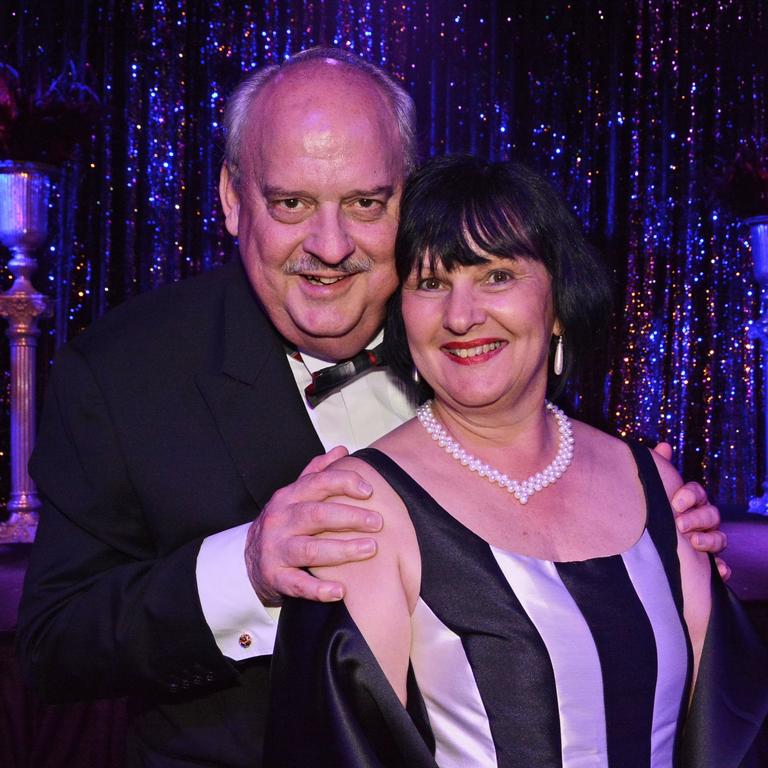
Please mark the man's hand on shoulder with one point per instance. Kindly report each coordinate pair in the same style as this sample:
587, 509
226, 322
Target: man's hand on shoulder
281, 542
696, 517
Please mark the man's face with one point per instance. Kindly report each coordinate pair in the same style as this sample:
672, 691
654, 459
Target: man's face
316, 211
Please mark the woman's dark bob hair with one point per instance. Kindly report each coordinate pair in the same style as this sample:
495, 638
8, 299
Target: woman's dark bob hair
454, 206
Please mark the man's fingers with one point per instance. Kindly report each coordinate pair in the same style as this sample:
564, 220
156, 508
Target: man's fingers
312, 517
298, 583
689, 495
316, 486
704, 518
723, 568
311, 551
319, 463
712, 541
282, 539
664, 450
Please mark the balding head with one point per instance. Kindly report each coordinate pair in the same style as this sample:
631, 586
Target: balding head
397, 104
323, 112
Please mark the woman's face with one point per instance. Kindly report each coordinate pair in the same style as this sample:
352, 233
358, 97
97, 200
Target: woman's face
480, 335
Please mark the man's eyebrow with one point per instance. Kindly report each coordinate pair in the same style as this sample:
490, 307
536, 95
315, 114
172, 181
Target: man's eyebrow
385, 191
269, 191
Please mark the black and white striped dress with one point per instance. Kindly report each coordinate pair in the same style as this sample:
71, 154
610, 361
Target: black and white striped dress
536, 664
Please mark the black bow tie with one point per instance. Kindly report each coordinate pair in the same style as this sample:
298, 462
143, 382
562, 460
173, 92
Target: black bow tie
331, 379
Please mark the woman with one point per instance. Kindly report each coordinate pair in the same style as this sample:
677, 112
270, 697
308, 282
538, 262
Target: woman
529, 573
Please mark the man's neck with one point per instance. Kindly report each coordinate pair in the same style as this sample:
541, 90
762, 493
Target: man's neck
325, 357
315, 362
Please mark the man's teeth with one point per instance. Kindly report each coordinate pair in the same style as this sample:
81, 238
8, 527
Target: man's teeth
472, 351
323, 280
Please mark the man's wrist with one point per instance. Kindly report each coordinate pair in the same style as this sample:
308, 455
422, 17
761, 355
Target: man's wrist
241, 626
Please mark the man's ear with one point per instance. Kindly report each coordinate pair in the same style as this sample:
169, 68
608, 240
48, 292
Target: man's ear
230, 200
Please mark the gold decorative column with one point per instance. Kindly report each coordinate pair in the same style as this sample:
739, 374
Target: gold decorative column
24, 196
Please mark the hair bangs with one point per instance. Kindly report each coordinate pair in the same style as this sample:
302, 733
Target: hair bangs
494, 227
460, 218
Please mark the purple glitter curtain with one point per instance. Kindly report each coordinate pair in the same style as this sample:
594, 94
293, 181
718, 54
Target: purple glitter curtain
628, 107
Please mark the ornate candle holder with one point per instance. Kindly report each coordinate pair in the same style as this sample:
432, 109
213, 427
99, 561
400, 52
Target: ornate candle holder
24, 196
758, 234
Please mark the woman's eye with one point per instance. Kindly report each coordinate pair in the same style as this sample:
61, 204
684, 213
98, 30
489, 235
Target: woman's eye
429, 284
499, 276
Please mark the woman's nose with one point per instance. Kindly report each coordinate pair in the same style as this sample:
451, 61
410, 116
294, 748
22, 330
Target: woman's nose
463, 310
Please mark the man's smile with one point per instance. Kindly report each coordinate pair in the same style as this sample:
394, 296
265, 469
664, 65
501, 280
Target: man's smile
318, 280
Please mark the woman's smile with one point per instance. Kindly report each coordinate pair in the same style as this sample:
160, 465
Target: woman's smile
473, 352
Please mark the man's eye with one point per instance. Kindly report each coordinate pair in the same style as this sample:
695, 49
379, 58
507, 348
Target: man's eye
366, 208
290, 210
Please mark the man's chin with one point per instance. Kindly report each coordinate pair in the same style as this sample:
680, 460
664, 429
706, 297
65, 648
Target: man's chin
334, 343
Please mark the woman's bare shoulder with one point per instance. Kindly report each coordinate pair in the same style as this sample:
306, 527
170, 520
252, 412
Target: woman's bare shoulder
381, 591
608, 448
670, 477
397, 538
383, 498
398, 440
603, 451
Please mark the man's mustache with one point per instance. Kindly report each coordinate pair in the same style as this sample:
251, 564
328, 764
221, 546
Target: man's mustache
309, 264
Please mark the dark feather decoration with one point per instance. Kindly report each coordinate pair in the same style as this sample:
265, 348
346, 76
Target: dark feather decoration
46, 125
744, 187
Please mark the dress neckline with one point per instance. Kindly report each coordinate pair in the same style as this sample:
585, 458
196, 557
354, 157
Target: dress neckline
457, 524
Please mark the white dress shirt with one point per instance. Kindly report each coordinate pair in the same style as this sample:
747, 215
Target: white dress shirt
357, 415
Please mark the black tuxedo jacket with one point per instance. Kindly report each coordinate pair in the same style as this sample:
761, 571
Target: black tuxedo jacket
174, 417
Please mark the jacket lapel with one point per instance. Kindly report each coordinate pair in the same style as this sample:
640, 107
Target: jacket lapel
253, 397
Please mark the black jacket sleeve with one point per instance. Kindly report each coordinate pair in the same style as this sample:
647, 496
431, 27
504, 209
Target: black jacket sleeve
104, 612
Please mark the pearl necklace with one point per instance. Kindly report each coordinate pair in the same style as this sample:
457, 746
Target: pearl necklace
522, 490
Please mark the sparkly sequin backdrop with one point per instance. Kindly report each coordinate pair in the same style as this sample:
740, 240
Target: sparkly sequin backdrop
627, 106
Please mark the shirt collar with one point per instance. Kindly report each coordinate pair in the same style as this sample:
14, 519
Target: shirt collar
315, 364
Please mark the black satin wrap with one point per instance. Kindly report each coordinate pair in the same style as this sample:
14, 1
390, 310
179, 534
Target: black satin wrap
331, 704
726, 724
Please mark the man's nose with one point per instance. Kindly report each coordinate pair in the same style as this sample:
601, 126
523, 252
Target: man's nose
463, 310
328, 238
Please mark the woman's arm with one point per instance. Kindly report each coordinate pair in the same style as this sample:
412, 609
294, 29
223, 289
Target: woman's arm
381, 592
694, 571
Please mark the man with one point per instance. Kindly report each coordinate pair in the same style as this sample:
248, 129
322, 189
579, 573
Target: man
178, 419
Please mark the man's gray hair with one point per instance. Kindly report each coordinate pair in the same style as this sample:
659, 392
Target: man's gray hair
236, 114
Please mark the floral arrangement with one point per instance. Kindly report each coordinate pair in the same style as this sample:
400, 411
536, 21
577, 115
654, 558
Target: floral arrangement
45, 125
744, 186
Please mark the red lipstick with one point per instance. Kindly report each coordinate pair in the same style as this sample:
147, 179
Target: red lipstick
455, 350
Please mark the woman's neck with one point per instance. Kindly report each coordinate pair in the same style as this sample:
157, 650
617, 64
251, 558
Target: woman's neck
515, 439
